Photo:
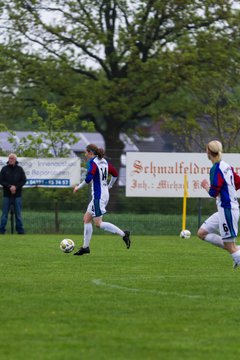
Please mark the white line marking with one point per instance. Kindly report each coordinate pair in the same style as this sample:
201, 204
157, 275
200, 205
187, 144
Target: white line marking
100, 282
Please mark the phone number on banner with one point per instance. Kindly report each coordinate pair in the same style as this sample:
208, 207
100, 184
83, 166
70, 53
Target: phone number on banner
48, 182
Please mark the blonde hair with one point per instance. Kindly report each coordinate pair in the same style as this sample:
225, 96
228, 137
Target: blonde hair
215, 149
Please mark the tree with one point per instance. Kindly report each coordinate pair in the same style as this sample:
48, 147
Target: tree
206, 104
221, 116
216, 115
52, 138
26, 81
124, 52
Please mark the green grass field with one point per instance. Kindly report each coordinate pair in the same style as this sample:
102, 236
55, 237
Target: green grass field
165, 298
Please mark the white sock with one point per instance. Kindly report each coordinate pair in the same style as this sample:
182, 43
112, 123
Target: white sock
236, 257
111, 228
88, 229
214, 239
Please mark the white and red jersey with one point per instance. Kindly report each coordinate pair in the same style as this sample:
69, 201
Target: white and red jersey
224, 183
98, 172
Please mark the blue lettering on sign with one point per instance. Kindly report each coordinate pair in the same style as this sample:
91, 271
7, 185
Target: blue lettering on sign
48, 182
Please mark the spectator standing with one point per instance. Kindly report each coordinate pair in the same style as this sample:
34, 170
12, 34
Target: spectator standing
12, 179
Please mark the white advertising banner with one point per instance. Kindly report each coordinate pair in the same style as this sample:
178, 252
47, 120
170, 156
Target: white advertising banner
162, 174
49, 172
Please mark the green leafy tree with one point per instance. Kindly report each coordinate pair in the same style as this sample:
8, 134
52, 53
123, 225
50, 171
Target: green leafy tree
52, 138
205, 104
26, 81
221, 117
128, 54
202, 114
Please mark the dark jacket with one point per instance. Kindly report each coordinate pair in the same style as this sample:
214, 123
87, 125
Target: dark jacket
12, 175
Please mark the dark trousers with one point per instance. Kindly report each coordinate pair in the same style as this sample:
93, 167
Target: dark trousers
17, 203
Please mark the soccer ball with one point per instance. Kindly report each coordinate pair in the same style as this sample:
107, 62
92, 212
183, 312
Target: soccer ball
67, 245
185, 234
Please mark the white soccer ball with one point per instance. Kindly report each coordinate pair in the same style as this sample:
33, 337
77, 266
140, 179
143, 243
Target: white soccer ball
185, 234
67, 245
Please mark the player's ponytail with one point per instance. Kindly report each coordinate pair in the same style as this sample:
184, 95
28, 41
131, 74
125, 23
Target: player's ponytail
100, 152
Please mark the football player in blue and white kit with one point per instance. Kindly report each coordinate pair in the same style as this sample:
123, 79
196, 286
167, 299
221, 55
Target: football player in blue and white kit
221, 228
98, 170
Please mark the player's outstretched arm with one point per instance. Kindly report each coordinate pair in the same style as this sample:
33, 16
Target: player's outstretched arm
75, 189
79, 186
205, 185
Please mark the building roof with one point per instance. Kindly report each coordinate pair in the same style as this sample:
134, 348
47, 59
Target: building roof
85, 138
153, 143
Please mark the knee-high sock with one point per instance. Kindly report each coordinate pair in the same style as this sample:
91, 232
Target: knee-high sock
236, 257
111, 228
214, 239
88, 229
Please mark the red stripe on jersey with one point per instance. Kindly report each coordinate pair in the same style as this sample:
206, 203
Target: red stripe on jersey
112, 171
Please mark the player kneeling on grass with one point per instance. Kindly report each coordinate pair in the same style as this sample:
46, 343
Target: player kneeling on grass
221, 228
98, 171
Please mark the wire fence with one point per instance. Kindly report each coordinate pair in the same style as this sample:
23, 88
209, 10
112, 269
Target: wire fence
68, 222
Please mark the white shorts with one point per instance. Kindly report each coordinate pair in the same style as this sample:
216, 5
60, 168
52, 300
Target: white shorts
97, 207
223, 222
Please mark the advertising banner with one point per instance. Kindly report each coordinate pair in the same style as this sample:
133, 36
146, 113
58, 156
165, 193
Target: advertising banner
49, 172
162, 174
